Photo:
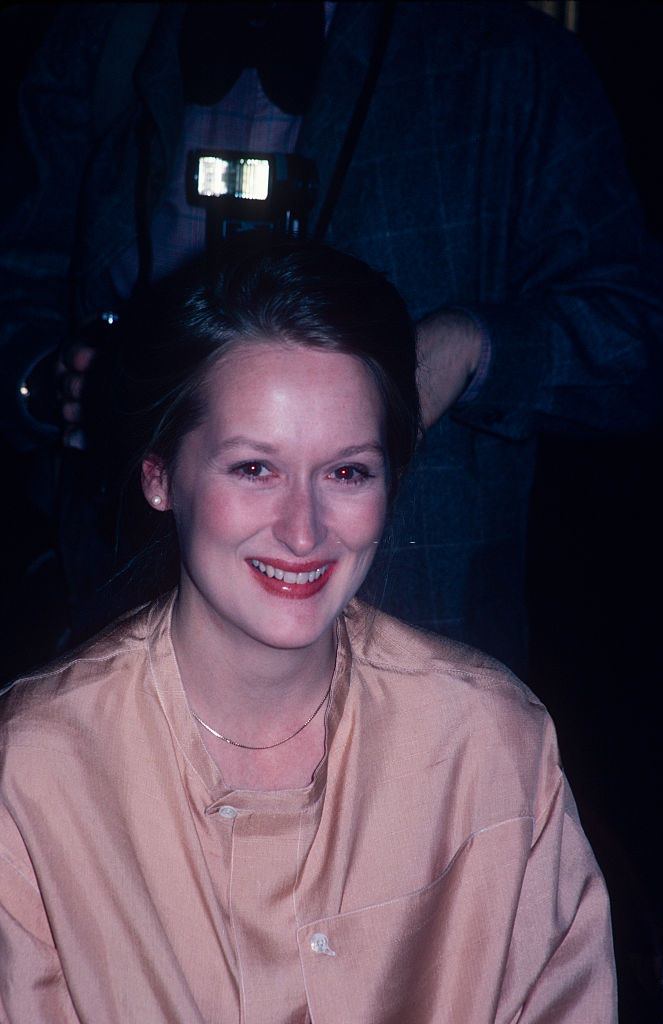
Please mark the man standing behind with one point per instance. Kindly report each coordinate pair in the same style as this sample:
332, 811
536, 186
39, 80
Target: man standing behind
484, 178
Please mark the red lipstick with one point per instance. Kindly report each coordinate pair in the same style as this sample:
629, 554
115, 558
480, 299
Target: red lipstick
285, 588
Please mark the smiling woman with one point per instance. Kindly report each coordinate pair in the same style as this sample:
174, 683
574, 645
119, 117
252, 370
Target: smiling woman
254, 799
266, 480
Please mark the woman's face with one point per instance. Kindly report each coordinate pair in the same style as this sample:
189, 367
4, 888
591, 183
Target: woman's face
279, 496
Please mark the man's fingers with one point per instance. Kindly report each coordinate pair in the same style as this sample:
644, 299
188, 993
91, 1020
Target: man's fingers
74, 437
70, 386
78, 358
82, 358
71, 412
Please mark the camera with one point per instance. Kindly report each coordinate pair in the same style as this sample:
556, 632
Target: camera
274, 192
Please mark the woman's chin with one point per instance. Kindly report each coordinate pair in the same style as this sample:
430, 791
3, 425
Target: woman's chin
295, 628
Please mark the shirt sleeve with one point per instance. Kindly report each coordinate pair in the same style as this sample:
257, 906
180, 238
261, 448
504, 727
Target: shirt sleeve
576, 345
560, 964
32, 984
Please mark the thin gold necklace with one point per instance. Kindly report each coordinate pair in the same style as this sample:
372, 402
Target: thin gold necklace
267, 746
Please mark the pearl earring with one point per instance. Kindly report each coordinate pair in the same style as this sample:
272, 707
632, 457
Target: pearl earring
157, 499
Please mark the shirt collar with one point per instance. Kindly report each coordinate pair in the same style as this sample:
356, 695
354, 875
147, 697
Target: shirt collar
165, 679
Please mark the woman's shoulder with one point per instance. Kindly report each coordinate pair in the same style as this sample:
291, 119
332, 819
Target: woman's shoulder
458, 707
438, 668
389, 643
70, 682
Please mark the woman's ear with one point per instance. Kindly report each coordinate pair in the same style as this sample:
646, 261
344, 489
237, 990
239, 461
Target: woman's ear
154, 481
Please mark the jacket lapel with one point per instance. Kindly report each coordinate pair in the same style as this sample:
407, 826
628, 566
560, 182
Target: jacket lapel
159, 86
350, 43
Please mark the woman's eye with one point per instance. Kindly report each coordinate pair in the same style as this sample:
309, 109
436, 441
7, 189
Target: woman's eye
350, 474
251, 470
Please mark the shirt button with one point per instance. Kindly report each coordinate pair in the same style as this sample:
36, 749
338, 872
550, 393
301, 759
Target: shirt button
227, 812
320, 944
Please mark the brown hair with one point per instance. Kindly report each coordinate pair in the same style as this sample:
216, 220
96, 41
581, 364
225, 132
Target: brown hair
303, 293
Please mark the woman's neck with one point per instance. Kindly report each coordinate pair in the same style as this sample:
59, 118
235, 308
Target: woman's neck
242, 687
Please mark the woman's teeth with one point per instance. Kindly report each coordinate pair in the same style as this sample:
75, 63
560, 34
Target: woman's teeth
289, 577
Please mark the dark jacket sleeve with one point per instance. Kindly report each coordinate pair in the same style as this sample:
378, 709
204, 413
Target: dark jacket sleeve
577, 342
39, 201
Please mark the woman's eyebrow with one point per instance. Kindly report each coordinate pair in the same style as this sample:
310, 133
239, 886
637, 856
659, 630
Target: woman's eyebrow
246, 442
241, 441
359, 449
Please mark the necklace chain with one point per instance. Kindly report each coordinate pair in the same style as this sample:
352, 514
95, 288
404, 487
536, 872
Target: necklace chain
268, 746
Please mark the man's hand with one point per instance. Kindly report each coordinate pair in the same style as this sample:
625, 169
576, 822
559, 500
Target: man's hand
73, 366
448, 351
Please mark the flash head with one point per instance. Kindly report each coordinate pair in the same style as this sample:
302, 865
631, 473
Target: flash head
243, 190
244, 177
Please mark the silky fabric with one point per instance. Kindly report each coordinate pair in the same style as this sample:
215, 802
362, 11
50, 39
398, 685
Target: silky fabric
433, 871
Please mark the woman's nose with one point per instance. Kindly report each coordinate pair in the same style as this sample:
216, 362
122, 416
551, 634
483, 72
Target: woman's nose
300, 525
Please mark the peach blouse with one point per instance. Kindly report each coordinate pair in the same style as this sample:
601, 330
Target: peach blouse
434, 870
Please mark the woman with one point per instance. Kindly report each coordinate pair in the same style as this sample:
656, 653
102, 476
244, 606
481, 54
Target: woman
254, 799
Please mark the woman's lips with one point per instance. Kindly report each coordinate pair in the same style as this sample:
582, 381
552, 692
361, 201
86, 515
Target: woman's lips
291, 580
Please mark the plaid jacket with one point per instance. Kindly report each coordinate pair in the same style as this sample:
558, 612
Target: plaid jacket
488, 175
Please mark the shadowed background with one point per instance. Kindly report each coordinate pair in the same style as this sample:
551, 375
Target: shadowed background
594, 548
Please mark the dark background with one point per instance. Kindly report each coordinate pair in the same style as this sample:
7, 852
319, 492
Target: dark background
596, 572
595, 548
